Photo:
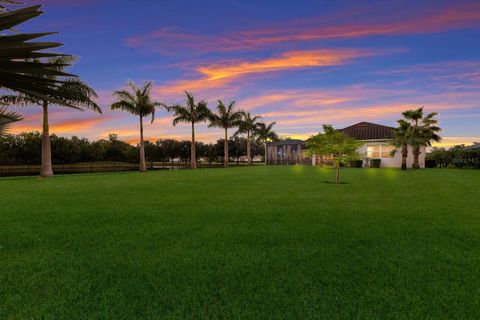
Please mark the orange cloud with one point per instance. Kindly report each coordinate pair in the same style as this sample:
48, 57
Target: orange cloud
58, 127
218, 75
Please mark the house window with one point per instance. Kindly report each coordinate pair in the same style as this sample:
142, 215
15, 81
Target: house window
386, 151
373, 151
380, 151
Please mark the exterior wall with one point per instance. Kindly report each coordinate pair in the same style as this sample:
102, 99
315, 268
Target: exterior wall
396, 161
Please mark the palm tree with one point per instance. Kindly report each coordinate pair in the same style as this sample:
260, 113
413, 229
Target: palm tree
402, 139
424, 130
7, 117
247, 125
225, 118
191, 113
21, 71
264, 133
138, 102
71, 92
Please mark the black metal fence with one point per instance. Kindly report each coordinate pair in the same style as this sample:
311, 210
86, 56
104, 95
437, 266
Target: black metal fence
21, 171
25, 171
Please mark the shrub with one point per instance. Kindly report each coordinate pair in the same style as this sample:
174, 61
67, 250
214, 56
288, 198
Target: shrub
430, 163
375, 163
356, 163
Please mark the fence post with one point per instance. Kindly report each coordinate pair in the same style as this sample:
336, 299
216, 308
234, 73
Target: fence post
91, 167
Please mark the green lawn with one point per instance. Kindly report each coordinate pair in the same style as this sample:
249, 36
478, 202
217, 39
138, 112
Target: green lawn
242, 243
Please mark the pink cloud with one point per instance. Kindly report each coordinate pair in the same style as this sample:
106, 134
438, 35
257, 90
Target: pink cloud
167, 40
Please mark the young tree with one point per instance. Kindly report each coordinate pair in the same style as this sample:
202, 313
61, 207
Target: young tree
225, 118
137, 101
191, 113
340, 147
71, 93
264, 133
247, 125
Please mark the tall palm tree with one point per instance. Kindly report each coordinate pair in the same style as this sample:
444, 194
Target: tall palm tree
71, 92
226, 118
424, 130
264, 133
191, 113
402, 139
138, 102
247, 126
6, 118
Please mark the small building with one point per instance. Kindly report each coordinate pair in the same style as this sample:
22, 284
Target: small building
286, 152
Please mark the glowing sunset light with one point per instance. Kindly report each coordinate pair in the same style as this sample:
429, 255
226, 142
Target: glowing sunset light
300, 64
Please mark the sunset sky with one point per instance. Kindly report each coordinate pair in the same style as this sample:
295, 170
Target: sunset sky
300, 63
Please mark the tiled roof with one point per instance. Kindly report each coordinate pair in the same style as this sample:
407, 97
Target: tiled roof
369, 131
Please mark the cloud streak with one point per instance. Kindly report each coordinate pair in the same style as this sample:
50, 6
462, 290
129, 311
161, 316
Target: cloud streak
167, 40
220, 74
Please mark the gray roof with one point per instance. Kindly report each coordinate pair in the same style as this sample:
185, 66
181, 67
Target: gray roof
287, 142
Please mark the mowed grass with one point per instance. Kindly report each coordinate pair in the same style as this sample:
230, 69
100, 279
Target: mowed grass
242, 243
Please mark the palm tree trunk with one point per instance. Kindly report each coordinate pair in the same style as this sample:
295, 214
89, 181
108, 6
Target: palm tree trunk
225, 149
265, 159
249, 156
404, 157
46, 169
416, 153
143, 166
193, 157
337, 176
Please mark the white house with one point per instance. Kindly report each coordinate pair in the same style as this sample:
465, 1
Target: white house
376, 140
377, 144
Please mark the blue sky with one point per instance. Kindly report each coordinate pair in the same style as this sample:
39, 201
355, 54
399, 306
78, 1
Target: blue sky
298, 63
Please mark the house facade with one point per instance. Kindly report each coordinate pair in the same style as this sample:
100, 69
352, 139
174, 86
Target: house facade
376, 144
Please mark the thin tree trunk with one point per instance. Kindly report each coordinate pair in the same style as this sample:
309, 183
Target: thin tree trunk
265, 159
225, 149
249, 155
143, 166
416, 153
404, 157
337, 176
193, 157
46, 169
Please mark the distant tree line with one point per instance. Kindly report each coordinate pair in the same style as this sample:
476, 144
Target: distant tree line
458, 156
26, 148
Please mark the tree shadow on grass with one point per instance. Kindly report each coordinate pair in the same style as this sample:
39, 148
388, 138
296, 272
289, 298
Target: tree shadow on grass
333, 182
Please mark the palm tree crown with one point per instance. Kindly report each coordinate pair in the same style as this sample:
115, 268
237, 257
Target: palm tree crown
191, 112
7, 117
21, 69
226, 117
136, 101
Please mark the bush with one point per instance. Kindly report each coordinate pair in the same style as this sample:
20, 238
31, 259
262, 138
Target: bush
356, 164
430, 163
375, 163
